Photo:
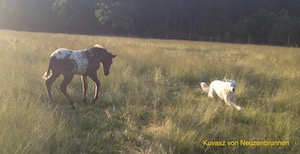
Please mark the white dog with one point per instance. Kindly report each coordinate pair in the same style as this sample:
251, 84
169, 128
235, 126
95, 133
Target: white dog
224, 89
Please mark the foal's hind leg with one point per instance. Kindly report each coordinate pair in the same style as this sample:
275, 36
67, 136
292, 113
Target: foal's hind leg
63, 87
49, 83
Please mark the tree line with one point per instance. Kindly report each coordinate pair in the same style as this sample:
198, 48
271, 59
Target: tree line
246, 21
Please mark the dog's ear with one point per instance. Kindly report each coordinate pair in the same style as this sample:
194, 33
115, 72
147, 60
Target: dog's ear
225, 80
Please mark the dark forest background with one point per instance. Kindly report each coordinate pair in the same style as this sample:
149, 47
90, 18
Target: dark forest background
245, 21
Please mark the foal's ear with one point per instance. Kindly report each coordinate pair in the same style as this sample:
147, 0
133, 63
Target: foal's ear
113, 56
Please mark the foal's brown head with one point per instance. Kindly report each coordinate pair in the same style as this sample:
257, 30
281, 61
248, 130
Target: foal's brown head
102, 55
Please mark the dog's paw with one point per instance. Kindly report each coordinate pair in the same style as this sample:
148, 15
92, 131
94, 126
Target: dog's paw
238, 107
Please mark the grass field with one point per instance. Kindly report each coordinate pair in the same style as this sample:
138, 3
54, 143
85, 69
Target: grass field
151, 101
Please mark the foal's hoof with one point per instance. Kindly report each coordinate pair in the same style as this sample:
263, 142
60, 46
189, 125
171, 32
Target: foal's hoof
94, 101
73, 107
84, 101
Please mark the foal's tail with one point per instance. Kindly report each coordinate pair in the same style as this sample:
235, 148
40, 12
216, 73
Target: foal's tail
47, 73
204, 87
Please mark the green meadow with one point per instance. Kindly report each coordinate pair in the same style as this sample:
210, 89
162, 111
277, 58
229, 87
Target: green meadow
151, 102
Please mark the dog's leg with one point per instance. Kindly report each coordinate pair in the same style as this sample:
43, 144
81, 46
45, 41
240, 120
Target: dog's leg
227, 100
237, 107
232, 102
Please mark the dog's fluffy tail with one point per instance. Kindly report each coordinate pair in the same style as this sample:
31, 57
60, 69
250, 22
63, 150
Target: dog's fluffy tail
204, 87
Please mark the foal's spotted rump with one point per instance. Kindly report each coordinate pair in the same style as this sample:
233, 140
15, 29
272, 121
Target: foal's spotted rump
78, 59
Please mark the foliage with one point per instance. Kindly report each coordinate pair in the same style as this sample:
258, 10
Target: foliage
268, 26
264, 21
119, 14
285, 26
76, 15
259, 25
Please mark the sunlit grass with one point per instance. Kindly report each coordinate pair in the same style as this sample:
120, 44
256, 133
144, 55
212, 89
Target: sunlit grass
151, 102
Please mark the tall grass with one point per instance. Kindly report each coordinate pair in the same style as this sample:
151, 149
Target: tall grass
151, 101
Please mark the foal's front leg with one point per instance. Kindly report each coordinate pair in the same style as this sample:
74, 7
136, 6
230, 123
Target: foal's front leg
84, 87
94, 77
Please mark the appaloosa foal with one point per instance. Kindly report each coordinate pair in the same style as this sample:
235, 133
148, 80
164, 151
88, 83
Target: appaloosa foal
81, 62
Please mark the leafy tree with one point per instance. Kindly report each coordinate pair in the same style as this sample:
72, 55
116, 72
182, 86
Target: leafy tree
263, 20
258, 25
285, 29
118, 13
77, 15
